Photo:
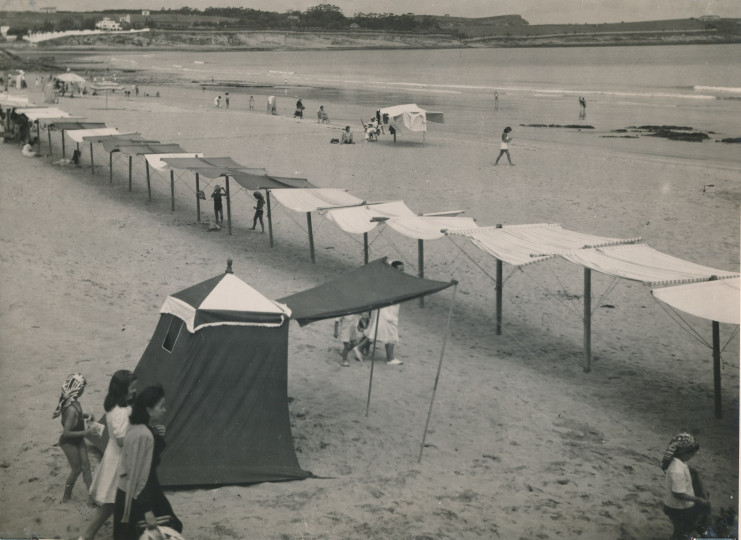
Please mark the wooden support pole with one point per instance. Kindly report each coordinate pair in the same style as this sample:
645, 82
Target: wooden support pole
198, 199
130, 158
48, 134
172, 190
716, 368
38, 135
499, 289
62, 143
311, 237
92, 164
149, 184
587, 320
270, 218
365, 248
228, 205
110, 167
421, 266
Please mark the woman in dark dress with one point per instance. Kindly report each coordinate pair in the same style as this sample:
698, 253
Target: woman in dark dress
140, 496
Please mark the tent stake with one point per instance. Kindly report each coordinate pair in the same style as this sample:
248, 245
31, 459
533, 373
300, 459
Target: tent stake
149, 185
270, 218
365, 248
228, 205
130, 174
373, 361
421, 266
198, 199
587, 320
437, 376
172, 190
311, 237
716, 368
92, 165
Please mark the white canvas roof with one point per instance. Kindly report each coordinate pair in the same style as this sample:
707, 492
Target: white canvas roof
640, 262
37, 113
717, 300
310, 200
357, 219
14, 101
429, 227
78, 135
520, 245
410, 117
155, 160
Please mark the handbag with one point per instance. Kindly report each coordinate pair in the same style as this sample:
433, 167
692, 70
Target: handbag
161, 533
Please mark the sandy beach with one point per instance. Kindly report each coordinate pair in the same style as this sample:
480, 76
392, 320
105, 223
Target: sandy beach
522, 444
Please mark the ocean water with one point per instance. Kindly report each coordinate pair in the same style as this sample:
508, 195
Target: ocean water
623, 86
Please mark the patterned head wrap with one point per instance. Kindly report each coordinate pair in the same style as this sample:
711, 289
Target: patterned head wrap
681, 443
73, 386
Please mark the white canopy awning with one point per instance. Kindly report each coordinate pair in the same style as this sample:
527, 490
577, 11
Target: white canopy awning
311, 200
37, 113
717, 300
78, 135
70, 77
519, 245
14, 101
429, 227
640, 262
358, 219
155, 160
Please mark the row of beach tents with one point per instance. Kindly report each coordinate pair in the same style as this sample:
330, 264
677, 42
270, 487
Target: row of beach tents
221, 342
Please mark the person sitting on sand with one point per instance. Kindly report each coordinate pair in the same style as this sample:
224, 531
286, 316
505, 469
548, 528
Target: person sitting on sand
347, 136
687, 511
321, 116
28, 150
504, 147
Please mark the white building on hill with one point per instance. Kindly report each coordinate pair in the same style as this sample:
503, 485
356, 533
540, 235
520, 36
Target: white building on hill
108, 24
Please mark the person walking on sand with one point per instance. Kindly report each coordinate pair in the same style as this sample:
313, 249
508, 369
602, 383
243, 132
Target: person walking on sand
258, 211
504, 147
117, 405
72, 440
387, 321
252, 103
582, 107
139, 495
217, 194
226, 100
496, 100
687, 510
217, 102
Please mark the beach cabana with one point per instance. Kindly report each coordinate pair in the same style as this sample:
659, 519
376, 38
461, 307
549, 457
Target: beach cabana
36, 114
716, 300
368, 288
70, 125
248, 177
140, 148
113, 139
409, 117
220, 350
106, 86
156, 162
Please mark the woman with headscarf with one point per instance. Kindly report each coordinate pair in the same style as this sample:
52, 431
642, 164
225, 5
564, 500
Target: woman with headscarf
139, 495
121, 392
72, 440
686, 510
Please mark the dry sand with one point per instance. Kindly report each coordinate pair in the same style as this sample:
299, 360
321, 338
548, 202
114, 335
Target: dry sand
522, 444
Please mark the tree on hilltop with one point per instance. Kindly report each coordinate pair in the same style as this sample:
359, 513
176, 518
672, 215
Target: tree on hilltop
324, 16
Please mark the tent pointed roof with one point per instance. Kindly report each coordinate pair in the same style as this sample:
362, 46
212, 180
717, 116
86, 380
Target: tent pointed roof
369, 287
224, 300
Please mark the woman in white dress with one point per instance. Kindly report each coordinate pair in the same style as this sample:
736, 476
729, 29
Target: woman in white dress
121, 392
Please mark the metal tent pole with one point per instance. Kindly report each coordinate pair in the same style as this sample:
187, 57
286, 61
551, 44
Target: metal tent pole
311, 237
373, 361
130, 158
92, 164
587, 320
63, 143
172, 190
228, 205
149, 185
110, 166
270, 218
716, 368
499, 289
437, 376
365, 248
421, 266
198, 199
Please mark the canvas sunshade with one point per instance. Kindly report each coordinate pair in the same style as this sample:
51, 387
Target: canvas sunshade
369, 287
118, 137
156, 161
15, 101
224, 300
43, 113
137, 149
357, 219
264, 181
75, 125
78, 135
311, 200
640, 262
717, 300
520, 245
411, 117
70, 78
225, 163
429, 227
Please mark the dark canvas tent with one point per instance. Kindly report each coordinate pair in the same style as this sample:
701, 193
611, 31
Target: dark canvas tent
220, 350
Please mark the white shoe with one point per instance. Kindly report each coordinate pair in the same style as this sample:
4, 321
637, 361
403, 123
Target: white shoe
394, 362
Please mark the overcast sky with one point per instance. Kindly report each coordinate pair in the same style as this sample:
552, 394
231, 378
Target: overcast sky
534, 11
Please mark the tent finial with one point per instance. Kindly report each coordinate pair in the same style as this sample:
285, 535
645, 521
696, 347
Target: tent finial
229, 267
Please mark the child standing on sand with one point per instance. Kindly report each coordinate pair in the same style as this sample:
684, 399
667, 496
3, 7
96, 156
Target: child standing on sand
346, 329
218, 193
258, 211
504, 147
72, 440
